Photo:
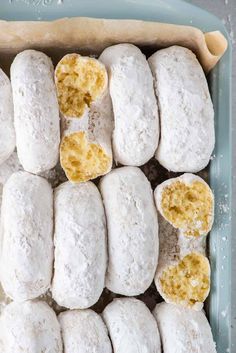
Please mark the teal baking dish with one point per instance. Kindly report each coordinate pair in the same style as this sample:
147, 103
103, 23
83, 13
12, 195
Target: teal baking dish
221, 309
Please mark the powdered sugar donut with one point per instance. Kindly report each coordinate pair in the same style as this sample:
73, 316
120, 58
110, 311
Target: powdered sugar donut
85, 151
7, 132
183, 272
80, 245
30, 326
131, 326
186, 111
136, 131
132, 230
183, 330
36, 113
83, 331
26, 228
187, 202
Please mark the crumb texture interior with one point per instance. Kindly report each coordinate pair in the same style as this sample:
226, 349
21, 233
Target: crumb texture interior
188, 282
82, 160
188, 207
80, 81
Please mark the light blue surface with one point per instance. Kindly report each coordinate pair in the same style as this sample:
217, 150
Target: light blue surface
179, 12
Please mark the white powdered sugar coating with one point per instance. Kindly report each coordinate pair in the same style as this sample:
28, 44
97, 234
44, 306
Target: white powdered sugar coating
7, 168
36, 112
173, 246
183, 330
83, 331
169, 249
191, 244
101, 125
136, 131
26, 231
80, 245
186, 111
29, 327
131, 326
96, 122
7, 133
132, 230
187, 179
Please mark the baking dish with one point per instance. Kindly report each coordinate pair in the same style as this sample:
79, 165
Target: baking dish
220, 302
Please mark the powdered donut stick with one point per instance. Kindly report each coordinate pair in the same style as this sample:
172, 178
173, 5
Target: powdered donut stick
183, 271
30, 326
132, 230
84, 101
83, 331
136, 131
80, 245
183, 330
36, 114
7, 132
131, 326
186, 110
186, 202
26, 228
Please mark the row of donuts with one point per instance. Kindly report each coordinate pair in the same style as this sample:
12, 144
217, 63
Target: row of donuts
108, 111
126, 326
82, 221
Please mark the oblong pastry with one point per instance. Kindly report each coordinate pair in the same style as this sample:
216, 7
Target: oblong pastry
183, 272
26, 228
187, 202
83, 331
7, 132
131, 327
84, 101
36, 113
136, 131
132, 230
30, 326
183, 330
80, 245
186, 110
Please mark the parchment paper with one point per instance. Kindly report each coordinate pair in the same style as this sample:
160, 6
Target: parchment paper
91, 36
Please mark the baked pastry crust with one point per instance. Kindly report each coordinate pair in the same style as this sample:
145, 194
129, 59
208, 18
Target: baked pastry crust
30, 326
26, 229
87, 121
186, 111
132, 230
80, 245
83, 331
136, 123
131, 326
36, 113
183, 330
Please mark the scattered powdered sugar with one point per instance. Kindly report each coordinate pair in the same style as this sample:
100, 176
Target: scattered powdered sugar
224, 313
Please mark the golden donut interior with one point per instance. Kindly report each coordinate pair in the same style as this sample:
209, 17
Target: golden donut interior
82, 160
79, 81
188, 282
188, 207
